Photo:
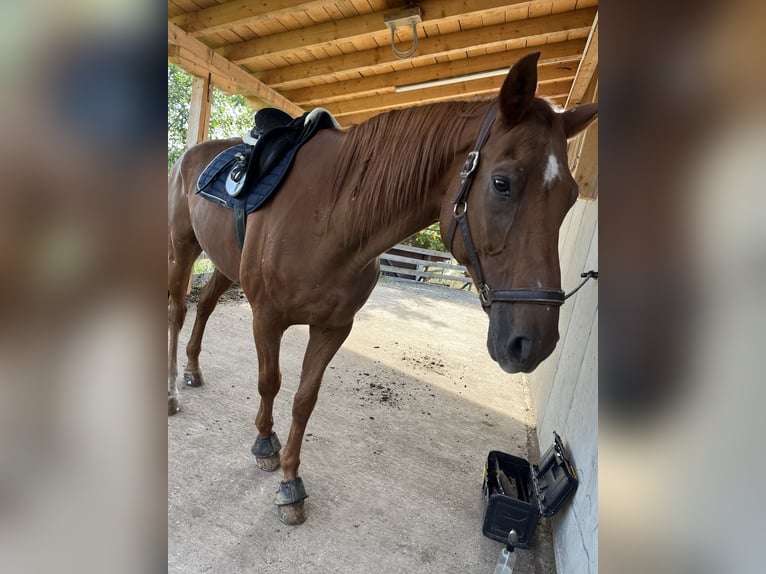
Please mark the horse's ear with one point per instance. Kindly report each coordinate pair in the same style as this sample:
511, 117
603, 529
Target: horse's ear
519, 88
577, 119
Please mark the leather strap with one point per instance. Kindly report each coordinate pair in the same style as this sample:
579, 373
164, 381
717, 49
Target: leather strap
240, 219
487, 295
469, 168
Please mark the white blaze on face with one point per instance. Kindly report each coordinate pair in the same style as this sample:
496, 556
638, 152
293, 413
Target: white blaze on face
551, 170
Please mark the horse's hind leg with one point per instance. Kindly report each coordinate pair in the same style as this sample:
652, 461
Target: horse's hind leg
181, 257
323, 344
208, 299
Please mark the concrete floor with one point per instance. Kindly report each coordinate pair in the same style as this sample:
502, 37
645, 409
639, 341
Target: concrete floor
393, 455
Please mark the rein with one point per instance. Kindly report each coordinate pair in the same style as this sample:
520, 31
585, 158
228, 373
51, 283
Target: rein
487, 295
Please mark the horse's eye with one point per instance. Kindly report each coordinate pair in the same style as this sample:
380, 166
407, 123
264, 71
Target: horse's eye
502, 185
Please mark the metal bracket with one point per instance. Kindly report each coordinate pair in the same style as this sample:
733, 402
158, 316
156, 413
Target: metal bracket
403, 17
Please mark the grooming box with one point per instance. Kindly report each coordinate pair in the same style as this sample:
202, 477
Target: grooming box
518, 493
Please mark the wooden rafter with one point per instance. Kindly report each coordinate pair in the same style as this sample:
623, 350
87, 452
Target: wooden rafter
433, 12
220, 66
222, 17
583, 151
199, 111
348, 120
439, 93
587, 68
456, 42
187, 60
559, 60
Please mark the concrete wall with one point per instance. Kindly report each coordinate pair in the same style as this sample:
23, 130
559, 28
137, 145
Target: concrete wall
565, 393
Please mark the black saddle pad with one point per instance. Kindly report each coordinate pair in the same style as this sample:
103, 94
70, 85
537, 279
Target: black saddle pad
212, 182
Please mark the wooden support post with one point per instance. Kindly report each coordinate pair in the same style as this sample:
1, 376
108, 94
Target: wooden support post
199, 111
199, 121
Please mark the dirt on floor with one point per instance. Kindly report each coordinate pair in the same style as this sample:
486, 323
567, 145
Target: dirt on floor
393, 454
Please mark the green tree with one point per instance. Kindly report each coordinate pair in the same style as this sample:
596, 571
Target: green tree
179, 97
428, 238
230, 116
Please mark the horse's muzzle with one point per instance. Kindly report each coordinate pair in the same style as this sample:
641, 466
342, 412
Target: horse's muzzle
517, 349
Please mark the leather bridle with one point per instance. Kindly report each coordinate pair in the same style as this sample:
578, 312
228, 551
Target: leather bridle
487, 295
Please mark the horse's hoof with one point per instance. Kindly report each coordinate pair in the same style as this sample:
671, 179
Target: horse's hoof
267, 463
292, 514
173, 405
193, 378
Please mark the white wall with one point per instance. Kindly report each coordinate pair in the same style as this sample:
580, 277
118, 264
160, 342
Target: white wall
565, 393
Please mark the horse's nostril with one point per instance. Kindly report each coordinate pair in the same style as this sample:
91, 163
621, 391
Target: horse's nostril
521, 349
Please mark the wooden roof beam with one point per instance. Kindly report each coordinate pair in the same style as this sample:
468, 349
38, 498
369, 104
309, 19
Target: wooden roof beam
465, 90
187, 60
349, 120
587, 67
239, 13
561, 57
220, 66
432, 12
572, 22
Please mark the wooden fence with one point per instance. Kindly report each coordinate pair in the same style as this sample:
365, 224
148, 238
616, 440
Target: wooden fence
417, 264
406, 263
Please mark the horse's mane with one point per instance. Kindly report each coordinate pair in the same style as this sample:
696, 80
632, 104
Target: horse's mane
390, 161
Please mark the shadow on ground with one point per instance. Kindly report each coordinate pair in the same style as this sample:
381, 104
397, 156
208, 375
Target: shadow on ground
392, 458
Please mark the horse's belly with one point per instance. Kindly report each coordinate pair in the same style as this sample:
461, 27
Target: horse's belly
330, 298
214, 228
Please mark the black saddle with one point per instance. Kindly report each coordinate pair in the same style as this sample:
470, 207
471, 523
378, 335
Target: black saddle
269, 143
244, 177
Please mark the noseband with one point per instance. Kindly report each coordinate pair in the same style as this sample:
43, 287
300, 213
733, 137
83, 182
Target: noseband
487, 295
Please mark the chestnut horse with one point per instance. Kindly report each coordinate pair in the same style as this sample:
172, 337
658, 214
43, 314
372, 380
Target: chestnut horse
310, 255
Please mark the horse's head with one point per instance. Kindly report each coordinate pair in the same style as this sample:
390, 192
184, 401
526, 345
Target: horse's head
521, 191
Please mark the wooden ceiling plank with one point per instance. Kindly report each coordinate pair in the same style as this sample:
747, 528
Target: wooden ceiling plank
174, 9
238, 13
221, 66
541, 9
587, 67
564, 5
431, 47
433, 12
464, 90
347, 120
550, 53
327, 32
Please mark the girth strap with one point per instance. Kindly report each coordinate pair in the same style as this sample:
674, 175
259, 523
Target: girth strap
240, 220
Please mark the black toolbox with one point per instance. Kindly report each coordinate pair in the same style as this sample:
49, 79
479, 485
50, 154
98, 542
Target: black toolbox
518, 493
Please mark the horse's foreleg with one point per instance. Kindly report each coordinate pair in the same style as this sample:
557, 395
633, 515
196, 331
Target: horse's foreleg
208, 299
179, 272
323, 344
268, 336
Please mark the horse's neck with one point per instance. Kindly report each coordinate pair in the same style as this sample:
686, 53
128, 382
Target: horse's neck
414, 218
